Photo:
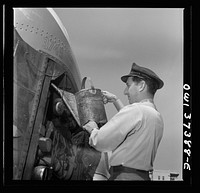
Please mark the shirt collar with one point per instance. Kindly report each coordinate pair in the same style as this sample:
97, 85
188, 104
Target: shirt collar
147, 100
150, 101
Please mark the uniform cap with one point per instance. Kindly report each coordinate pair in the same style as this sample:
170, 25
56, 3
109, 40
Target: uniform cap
143, 72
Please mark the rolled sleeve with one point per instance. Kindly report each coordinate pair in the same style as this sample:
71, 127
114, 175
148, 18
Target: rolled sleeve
114, 131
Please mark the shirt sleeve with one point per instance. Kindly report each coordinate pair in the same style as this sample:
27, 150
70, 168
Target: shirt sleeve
112, 134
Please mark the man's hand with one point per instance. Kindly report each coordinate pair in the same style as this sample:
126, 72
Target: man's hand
108, 97
90, 126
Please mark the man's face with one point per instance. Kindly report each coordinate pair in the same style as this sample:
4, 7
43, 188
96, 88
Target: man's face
131, 90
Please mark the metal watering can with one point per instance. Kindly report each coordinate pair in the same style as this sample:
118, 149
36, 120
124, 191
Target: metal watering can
90, 104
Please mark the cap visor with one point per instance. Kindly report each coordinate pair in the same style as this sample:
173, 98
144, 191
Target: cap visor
124, 78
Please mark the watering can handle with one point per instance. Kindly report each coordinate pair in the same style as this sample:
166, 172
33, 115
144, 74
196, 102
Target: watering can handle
83, 83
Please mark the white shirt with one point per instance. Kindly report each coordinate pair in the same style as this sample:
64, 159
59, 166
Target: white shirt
133, 136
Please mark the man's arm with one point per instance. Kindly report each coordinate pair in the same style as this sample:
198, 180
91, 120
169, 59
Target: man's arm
115, 130
118, 104
109, 97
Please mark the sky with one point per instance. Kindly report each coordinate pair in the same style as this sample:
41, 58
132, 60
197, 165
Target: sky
106, 41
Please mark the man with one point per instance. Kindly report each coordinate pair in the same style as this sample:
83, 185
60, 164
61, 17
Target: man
134, 133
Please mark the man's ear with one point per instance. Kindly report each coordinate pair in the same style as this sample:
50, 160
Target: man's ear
142, 85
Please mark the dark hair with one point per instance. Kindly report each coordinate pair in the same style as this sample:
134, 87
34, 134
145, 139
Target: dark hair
152, 85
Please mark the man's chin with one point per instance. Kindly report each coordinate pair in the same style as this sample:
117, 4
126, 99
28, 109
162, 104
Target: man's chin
131, 101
